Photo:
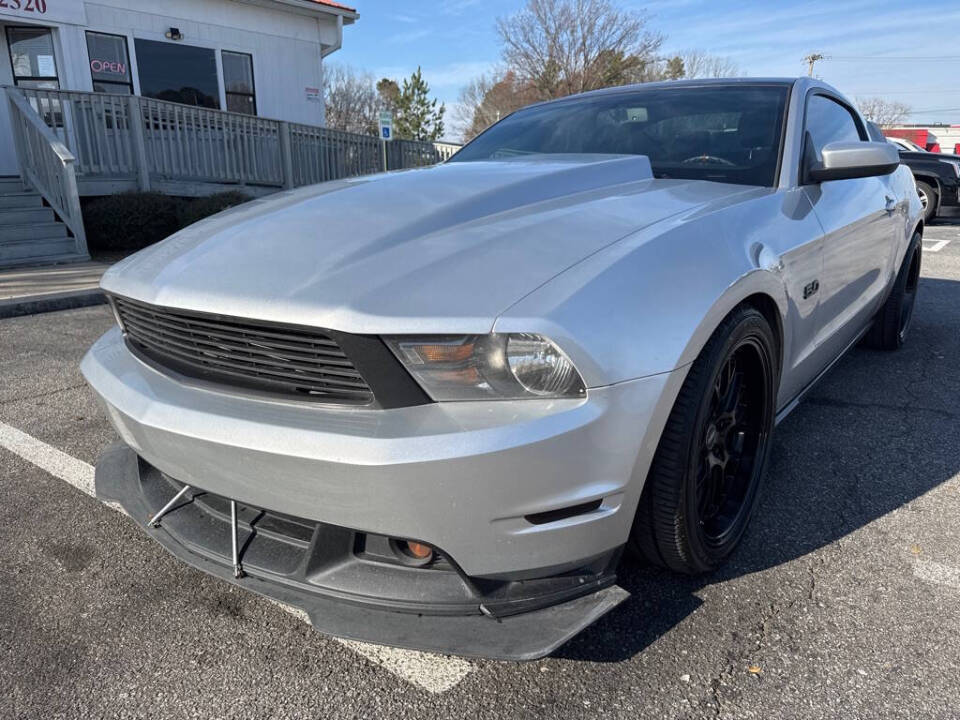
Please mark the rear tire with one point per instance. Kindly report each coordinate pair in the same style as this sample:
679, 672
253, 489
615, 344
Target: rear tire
891, 324
929, 199
703, 483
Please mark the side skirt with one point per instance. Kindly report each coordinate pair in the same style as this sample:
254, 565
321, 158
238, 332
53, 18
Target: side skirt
791, 406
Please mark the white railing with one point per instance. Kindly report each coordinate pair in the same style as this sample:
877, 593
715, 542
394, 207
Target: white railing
46, 165
446, 150
127, 137
319, 154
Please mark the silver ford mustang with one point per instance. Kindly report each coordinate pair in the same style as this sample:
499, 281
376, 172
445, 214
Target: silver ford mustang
432, 408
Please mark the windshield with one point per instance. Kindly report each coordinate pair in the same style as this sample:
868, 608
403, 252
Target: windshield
724, 133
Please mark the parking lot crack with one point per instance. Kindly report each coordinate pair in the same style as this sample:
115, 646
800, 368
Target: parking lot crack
46, 393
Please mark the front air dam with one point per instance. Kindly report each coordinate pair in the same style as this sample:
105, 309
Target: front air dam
520, 636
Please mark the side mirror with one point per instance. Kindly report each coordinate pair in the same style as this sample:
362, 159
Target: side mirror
844, 160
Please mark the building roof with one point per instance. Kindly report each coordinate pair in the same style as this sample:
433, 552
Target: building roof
330, 3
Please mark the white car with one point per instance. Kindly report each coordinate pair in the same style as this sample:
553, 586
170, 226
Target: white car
432, 408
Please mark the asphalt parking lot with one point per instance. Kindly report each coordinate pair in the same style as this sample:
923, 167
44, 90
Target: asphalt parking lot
844, 600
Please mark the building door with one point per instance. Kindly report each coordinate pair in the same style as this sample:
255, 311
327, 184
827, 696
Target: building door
27, 60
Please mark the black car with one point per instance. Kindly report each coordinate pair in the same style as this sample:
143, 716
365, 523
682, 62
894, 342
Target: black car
937, 175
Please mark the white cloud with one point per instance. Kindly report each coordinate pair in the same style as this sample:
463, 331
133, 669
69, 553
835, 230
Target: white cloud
441, 78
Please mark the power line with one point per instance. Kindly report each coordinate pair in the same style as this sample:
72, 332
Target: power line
933, 110
898, 58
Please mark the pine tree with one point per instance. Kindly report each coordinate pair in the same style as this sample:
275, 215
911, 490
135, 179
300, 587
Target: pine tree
417, 117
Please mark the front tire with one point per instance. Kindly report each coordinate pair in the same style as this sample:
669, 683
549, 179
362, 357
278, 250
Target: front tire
891, 324
703, 483
928, 199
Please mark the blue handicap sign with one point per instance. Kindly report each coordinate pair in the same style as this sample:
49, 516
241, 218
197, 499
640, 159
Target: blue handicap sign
385, 132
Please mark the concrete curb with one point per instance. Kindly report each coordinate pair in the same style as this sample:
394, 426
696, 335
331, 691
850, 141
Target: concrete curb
35, 304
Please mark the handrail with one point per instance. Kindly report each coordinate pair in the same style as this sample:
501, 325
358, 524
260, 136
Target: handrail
24, 107
47, 165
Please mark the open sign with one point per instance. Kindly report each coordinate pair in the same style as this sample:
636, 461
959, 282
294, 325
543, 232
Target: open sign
108, 66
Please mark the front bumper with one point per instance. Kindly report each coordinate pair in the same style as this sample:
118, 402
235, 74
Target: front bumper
528, 501
465, 477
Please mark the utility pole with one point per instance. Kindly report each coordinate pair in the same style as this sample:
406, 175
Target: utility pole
810, 60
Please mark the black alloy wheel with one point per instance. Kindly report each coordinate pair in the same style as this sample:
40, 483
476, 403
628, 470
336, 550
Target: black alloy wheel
909, 298
704, 481
731, 440
893, 321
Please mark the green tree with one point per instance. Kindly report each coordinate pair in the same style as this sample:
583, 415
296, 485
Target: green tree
416, 116
674, 69
389, 93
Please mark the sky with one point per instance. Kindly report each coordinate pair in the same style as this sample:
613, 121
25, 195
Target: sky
897, 50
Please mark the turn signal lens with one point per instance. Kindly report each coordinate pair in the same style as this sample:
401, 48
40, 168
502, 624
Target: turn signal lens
424, 353
485, 367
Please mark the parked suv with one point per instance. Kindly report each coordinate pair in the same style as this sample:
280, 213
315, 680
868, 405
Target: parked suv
937, 174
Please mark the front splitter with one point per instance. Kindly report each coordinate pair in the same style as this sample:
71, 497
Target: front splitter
524, 636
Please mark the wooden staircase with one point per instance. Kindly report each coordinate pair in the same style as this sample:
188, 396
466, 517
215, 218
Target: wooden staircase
30, 232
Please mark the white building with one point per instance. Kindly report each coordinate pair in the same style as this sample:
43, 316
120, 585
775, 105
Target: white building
261, 57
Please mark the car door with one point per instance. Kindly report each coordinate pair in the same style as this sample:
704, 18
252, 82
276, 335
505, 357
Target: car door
858, 220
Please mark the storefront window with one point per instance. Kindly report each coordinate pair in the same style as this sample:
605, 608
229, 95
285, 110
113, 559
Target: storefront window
238, 82
179, 73
31, 57
109, 64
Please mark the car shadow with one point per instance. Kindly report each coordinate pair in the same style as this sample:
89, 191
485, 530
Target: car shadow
947, 218
866, 441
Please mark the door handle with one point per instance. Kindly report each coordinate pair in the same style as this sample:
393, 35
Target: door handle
891, 204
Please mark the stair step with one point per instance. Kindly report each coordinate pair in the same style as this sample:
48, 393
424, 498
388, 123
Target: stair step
11, 184
29, 232
46, 248
20, 201
70, 257
21, 217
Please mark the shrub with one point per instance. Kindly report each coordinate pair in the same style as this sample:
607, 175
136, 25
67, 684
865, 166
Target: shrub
130, 220
199, 208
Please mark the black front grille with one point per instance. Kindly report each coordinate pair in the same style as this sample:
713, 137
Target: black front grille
274, 358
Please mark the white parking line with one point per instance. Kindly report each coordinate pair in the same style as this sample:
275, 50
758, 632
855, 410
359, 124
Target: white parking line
938, 573
433, 673
937, 246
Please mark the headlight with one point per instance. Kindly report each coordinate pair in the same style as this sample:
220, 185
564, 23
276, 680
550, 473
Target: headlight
486, 367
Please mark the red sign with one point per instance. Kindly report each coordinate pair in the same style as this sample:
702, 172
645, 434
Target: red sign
107, 66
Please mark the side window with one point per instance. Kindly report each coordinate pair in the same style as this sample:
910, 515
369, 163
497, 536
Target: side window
828, 121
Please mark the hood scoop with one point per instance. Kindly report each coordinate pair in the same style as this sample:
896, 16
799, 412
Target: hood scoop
562, 176
567, 175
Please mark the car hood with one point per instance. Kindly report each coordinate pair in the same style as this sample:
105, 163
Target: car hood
909, 155
440, 249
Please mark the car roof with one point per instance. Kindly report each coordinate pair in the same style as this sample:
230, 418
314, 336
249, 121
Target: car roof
800, 83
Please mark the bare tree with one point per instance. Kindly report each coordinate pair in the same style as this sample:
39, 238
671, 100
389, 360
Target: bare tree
698, 64
351, 99
488, 98
883, 112
560, 47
